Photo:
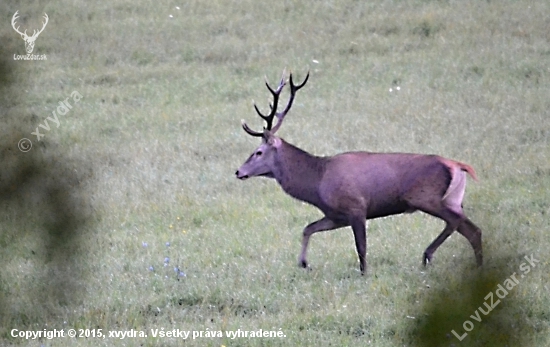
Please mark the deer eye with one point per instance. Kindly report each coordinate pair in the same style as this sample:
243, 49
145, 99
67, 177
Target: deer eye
259, 153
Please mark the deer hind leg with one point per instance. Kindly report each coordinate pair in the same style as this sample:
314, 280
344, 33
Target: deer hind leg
449, 208
449, 211
453, 201
322, 224
473, 234
465, 227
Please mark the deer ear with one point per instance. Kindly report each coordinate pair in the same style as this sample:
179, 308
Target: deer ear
271, 139
274, 141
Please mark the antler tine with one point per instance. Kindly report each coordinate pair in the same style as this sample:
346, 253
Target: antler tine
280, 87
296, 88
266, 118
250, 131
293, 89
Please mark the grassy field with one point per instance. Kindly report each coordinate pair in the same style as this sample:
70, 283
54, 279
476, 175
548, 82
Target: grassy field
126, 215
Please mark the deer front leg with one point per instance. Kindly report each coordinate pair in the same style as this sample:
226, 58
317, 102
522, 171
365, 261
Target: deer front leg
360, 235
322, 224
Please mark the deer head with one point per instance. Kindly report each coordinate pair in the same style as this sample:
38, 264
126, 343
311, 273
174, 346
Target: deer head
261, 161
29, 40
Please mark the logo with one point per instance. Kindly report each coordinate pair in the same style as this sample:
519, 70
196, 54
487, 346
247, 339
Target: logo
29, 40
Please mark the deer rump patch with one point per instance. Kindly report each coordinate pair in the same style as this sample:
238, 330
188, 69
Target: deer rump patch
455, 192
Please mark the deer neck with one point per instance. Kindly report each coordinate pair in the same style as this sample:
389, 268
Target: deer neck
298, 172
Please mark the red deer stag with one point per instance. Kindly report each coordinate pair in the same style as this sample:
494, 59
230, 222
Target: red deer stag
352, 187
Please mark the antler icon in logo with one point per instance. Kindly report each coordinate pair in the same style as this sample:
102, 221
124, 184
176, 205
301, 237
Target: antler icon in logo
29, 40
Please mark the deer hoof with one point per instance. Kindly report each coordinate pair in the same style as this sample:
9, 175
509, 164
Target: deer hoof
303, 264
427, 259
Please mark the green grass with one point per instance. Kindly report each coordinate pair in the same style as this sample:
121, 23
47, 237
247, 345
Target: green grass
148, 157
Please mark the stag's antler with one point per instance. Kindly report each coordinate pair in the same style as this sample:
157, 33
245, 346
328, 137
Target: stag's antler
24, 34
280, 115
13, 20
43, 26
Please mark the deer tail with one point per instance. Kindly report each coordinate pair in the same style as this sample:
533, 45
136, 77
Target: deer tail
470, 170
455, 191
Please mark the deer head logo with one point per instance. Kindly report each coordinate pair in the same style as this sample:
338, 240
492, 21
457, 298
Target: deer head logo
29, 40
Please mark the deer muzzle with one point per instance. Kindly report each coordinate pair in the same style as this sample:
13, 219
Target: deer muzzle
240, 175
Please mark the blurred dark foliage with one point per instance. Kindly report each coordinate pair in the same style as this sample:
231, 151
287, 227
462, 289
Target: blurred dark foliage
41, 198
453, 302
